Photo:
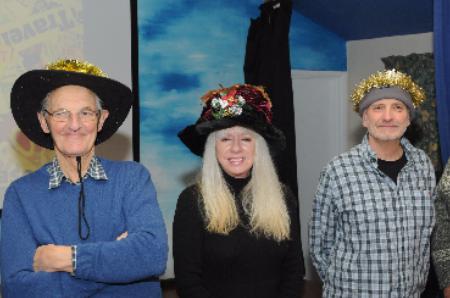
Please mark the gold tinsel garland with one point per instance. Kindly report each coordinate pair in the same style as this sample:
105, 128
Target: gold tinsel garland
386, 79
74, 65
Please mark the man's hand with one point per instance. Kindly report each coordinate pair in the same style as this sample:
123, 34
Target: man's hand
122, 236
447, 292
53, 258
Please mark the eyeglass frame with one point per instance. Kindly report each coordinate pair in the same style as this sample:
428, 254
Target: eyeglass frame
97, 114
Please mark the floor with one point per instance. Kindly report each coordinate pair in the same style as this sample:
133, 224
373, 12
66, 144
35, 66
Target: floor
310, 290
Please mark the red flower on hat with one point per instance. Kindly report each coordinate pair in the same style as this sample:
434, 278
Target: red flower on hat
230, 102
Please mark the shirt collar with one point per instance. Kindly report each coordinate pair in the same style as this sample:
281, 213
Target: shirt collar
371, 155
95, 171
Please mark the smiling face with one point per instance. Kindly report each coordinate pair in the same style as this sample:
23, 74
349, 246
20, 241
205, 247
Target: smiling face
386, 120
77, 134
235, 151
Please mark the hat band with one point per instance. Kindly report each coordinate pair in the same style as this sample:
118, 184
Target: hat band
386, 93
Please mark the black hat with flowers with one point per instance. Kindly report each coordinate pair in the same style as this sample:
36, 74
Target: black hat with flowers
239, 105
33, 86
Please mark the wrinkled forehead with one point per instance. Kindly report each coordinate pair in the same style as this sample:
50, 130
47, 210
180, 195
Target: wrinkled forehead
71, 90
70, 95
388, 101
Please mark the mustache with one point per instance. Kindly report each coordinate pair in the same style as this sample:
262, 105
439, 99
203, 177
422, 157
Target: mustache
389, 123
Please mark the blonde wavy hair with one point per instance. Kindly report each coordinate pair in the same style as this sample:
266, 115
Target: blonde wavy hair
263, 198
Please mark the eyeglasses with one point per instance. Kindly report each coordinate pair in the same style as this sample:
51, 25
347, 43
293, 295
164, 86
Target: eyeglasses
85, 115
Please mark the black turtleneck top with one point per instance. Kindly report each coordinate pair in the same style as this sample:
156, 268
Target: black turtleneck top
392, 168
236, 185
240, 264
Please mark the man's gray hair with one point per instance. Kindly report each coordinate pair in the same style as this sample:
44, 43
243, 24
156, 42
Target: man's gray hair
45, 102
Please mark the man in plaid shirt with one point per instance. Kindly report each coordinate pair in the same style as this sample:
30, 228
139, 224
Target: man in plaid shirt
373, 211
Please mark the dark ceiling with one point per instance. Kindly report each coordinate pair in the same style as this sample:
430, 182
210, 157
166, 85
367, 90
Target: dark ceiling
363, 19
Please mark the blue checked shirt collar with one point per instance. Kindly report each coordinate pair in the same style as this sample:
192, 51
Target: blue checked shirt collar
371, 156
95, 171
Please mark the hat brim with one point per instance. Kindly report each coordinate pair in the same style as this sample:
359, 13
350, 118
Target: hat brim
31, 88
194, 136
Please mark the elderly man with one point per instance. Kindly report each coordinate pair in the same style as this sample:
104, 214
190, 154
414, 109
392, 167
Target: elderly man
373, 210
80, 226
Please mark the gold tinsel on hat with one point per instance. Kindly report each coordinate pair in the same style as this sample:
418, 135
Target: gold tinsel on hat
386, 79
76, 66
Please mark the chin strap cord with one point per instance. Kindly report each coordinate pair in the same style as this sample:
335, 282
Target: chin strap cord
82, 206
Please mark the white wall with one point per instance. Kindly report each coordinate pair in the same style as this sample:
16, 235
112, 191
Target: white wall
320, 127
364, 58
107, 43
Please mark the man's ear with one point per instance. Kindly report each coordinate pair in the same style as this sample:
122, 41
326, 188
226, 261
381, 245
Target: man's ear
103, 116
409, 118
43, 122
364, 118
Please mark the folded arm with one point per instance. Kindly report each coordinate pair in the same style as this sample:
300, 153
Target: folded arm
18, 247
143, 253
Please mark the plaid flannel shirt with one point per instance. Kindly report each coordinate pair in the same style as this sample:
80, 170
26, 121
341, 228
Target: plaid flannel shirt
370, 237
95, 170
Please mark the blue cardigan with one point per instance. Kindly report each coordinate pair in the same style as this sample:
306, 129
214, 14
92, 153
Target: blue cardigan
34, 215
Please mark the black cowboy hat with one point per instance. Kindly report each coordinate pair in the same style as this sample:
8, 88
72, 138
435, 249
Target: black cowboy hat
239, 105
33, 86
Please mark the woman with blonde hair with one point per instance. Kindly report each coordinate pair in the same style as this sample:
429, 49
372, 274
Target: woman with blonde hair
236, 231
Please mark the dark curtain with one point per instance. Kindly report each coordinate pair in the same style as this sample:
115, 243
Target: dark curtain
423, 132
441, 39
267, 63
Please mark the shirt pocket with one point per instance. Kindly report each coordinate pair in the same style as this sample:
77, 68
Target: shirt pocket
365, 216
366, 208
419, 208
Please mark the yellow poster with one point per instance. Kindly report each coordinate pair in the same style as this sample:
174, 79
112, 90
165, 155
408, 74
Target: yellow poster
32, 34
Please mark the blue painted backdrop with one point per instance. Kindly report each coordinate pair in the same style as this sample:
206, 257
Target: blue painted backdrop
187, 47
